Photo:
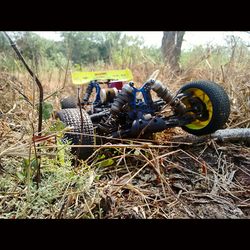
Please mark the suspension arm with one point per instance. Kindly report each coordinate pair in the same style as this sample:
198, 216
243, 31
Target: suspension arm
98, 116
154, 125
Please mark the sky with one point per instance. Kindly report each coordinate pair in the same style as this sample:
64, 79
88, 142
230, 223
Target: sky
191, 38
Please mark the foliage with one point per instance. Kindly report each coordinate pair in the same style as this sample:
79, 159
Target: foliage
47, 110
83, 48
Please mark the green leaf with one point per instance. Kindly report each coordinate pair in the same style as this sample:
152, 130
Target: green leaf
20, 176
61, 152
34, 164
47, 110
25, 163
57, 126
102, 156
106, 163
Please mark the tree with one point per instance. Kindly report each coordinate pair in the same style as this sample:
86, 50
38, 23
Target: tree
171, 48
86, 47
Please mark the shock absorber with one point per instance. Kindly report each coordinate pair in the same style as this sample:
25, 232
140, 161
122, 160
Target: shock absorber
122, 99
164, 93
88, 92
111, 124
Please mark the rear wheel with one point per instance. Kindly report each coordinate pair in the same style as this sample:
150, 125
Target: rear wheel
72, 118
210, 101
69, 102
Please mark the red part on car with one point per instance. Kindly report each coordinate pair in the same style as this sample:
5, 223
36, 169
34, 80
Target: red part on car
116, 84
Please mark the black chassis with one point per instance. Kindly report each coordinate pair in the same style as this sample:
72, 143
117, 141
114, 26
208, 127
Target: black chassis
138, 118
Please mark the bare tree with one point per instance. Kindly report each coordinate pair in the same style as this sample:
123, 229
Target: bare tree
171, 48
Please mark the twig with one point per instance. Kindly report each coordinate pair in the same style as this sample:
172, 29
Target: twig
240, 123
40, 87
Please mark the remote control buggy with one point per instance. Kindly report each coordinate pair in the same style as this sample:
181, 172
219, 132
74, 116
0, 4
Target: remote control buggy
122, 110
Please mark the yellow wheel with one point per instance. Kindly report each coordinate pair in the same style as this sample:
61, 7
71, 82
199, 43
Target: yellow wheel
209, 102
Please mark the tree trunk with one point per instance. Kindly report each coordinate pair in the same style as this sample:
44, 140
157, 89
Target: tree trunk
171, 48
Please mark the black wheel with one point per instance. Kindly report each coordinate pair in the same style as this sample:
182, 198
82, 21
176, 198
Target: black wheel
72, 118
211, 102
69, 102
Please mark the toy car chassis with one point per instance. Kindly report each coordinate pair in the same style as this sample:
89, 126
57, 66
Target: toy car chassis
123, 111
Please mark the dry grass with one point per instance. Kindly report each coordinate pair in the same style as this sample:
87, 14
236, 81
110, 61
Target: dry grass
158, 179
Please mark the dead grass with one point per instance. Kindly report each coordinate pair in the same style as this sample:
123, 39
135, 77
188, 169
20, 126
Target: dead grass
157, 179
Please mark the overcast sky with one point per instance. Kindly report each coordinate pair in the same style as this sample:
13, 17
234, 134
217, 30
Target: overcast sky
191, 38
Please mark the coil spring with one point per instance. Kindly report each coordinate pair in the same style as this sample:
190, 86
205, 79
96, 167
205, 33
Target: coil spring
161, 91
165, 94
122, 99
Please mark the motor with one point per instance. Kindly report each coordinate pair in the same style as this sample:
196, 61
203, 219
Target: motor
108, 95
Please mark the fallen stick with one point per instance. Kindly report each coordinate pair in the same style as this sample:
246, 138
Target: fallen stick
222, 135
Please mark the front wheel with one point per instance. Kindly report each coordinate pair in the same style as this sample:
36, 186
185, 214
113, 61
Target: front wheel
210, 102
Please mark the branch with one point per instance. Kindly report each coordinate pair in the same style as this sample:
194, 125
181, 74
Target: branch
222, 135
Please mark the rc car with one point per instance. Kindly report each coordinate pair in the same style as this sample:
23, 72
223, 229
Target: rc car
122, 110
